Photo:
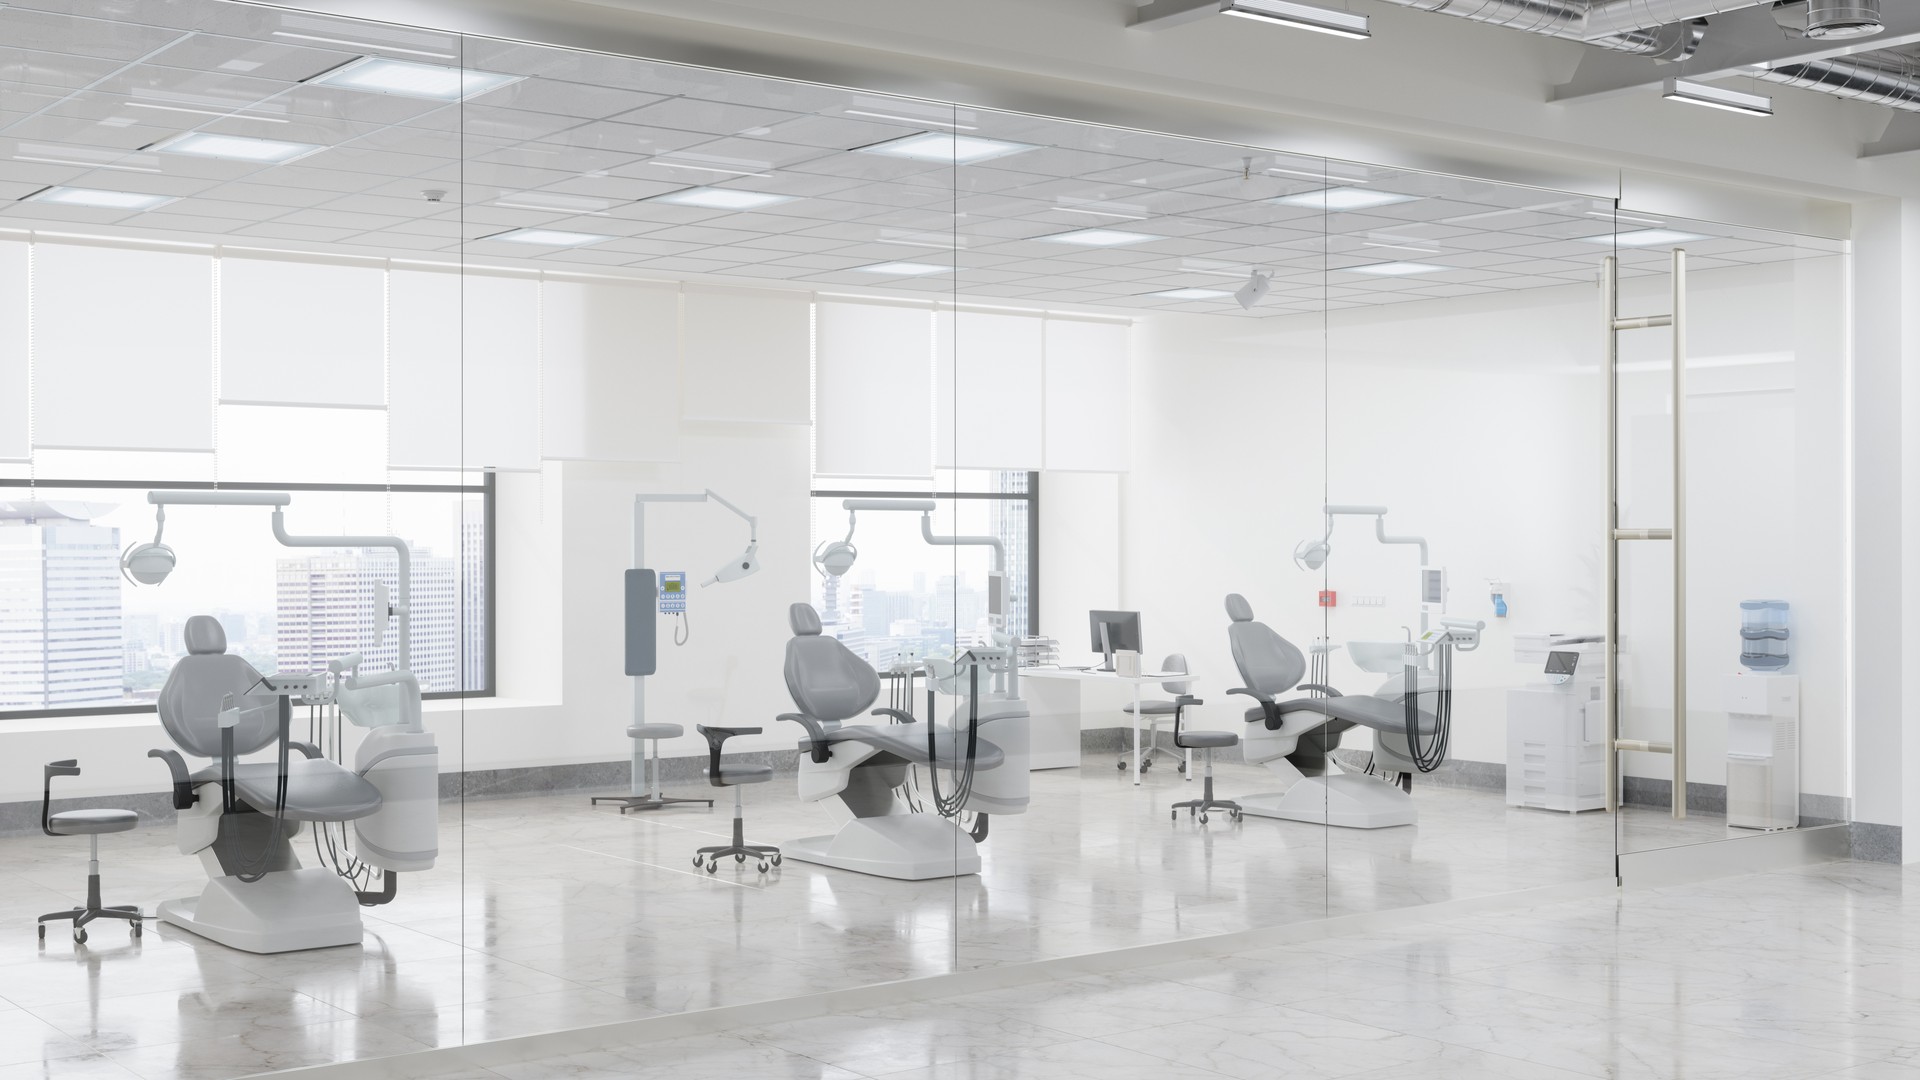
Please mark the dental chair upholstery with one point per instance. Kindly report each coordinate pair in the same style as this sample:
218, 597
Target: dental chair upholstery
289, 907
1295, 737
863, 763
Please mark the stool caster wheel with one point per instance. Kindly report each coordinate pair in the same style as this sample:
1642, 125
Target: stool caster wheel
739, 858
1147, 764
1121, 765
80, 936
1173, 815
763, 867
1181, 767
713, 866
43, 931
136, 931
697, 860
1235, 815
776, 860
1203, 819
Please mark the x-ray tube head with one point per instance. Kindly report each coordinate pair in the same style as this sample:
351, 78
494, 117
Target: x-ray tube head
742, 565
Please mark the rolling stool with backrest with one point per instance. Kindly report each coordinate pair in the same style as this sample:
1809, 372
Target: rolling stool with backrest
1155, 713
88, 823
735, 777
1205, 742
655, 797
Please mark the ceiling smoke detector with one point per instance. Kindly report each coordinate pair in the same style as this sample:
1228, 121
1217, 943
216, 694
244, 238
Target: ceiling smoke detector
1830, 18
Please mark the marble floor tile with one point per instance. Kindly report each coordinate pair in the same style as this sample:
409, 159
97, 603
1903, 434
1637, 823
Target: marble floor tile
714, 1057
908, 1037
1280, 1040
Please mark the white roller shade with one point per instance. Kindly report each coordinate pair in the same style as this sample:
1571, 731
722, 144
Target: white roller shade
744, 355
609, 372
873, 391
123, 348
302, 333
13, 352
424, 350
987, 386
1089, 396
465, 371
289, 444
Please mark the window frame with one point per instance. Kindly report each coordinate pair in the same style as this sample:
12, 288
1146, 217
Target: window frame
486, 490
1031, 497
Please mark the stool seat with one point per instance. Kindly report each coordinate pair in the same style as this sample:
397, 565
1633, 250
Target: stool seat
655, 731
85, 822
1198, 740
731, 775
1153, 708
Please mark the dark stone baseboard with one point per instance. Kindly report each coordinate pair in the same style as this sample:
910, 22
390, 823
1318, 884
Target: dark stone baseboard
1875, 843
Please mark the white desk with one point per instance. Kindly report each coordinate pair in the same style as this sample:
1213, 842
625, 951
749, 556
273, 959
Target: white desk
1137, 682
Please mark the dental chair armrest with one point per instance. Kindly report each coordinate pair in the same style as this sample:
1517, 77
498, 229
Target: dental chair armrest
905, 718
307, 749
1319, 688
1268, 707
819, 751
182, 781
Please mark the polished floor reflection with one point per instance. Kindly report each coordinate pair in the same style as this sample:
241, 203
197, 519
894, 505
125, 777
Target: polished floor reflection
571, 916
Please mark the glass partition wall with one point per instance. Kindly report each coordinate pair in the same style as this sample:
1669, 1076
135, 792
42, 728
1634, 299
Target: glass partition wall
718, 412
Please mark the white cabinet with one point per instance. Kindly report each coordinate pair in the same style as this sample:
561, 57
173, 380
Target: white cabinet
1556, 747
1763, 750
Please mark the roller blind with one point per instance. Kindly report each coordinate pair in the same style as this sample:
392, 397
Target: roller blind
609, 372
302, 333
499, 390
873, 391
424, 360
1089, 399
14, 382
745, 355
987, 386
123, 348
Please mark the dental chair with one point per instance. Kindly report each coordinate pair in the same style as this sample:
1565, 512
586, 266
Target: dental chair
863, 764
1295, 737
239, 817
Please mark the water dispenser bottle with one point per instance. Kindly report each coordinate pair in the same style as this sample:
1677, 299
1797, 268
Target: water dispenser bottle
1763, 634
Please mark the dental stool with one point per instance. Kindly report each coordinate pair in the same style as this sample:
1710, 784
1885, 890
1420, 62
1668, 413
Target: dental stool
735, 777
1205, 742
90, 824
1155, 712
657, 797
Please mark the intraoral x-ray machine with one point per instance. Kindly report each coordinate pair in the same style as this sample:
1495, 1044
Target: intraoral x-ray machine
239, 817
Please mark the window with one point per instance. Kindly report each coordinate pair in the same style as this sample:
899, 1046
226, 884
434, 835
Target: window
77, 638
904, 598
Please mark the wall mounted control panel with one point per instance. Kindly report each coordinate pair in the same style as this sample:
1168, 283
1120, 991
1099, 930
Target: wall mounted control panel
673, 592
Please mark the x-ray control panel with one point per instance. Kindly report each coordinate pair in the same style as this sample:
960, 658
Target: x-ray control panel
673, 592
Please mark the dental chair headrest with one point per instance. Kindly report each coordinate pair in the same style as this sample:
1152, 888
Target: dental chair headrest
205, 636
1238, 609
804, 620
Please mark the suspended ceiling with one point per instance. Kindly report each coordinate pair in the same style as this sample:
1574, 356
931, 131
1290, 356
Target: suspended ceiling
586, 144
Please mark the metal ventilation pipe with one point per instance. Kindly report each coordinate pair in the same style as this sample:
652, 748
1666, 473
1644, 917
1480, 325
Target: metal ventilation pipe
1568, 19
1896, 85
1610, 18
1829, 18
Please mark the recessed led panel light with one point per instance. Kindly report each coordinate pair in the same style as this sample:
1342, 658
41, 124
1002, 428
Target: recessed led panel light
206, 144
407, 78
904, 269
1299, 16
717, 198
1718, 97
1193, 294
946, 148
100, 199
549, 237
1395, 269
1644, 238
1345, 198
1100, 238
553, 202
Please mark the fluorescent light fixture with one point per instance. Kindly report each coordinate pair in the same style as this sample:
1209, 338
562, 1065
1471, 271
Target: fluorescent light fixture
1320, 20
1644, 238
910, 119
361, 46
408, 78
208, 112
1193, 294
1415, 248
99, 199
1099, 238
945, 148
554, 202
1718, 97
706, 168
1344, 198
548, 237
904, 269
716, 198
82, 164
206, 144
1394, 269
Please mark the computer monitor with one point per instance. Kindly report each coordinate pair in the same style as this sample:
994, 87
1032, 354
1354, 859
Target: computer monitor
1114, 631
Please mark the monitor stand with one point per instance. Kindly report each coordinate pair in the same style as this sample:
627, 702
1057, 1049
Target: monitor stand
1106, 647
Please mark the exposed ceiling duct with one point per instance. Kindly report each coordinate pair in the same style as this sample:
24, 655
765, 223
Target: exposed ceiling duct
1892, 80
1610, 18
1674, 39
1823, 19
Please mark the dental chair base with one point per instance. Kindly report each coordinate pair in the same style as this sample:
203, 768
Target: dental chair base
286, 911
905, 847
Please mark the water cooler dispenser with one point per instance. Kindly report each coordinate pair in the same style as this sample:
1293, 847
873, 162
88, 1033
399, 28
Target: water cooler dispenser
1763, 723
